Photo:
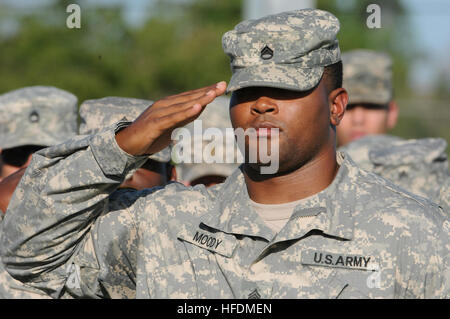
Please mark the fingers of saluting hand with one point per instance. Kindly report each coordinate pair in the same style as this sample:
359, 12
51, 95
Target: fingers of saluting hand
150, 132
174, 111
217, 89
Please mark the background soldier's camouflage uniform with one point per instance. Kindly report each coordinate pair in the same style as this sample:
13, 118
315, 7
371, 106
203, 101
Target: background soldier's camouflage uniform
444, 197
419, 166
37, 115
360, 237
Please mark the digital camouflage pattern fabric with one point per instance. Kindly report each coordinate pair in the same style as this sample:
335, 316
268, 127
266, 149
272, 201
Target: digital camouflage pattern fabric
417, 165
100, 113
444, 196
360, 237
37, 115
14, 289
287, 50
367, 77
359, 149
69, 233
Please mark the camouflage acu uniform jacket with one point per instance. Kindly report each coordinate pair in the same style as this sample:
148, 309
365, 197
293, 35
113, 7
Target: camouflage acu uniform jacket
11, 288
444, 197
360, 237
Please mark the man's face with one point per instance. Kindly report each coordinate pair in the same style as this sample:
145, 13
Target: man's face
303, 120
361, 120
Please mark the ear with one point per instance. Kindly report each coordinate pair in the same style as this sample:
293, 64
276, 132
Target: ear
337, 101
392, 115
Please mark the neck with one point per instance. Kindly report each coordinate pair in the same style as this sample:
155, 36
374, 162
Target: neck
309, 179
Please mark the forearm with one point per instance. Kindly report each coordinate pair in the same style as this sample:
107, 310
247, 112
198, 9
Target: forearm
58, 199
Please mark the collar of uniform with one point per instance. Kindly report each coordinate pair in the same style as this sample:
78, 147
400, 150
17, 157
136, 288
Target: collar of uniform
325, 211
232, 212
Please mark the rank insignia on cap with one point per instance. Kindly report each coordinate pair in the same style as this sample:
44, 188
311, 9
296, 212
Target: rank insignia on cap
266, 53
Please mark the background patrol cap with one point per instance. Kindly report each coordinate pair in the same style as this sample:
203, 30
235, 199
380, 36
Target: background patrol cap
100, 113
367, 76
215, 115
37, 115
288, 50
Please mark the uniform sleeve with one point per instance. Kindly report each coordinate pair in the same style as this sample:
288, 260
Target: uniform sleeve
104, 266
50, 222
444, 198
438, 270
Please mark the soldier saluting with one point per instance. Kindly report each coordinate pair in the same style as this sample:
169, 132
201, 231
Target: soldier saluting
318, 228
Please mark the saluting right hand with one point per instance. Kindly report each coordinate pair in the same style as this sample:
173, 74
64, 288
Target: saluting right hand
151, 131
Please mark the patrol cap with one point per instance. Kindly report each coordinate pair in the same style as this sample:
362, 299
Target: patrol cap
367, 76
288, 50
37, 115
99, 113
215, 115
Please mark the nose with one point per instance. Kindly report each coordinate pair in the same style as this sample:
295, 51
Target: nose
264, 105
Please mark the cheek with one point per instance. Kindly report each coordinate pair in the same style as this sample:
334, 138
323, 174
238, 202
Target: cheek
346, 121
239, 115
307, 120
377, 121
301, 128
345, 126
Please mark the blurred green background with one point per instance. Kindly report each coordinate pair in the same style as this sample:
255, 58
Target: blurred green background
178, 47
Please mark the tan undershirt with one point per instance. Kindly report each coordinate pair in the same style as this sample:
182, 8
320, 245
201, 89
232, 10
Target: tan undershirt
276, 215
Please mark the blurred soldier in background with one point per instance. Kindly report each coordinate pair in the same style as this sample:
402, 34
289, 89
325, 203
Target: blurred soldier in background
100, 113
216, 115
31, 118
419, 166
371, 109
